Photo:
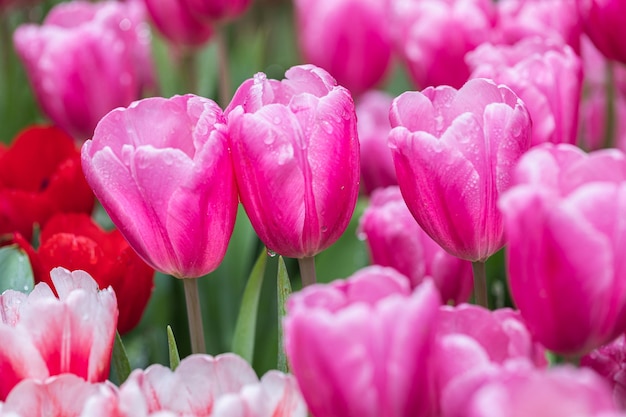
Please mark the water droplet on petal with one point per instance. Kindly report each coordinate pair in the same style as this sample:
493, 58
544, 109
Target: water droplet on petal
271, 253
327, 127
324, 229
276, 120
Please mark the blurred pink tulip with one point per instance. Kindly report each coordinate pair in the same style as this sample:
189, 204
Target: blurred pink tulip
216, 10
562, 391
603, 22
395, 239
545, 74
372, 111
296, 156
433, 36
454, 152
64, 396
203, 385
43, 335
356, 54
360, 347
565, 206
162, 171
179, 25
547, 19
609, 361
85, 60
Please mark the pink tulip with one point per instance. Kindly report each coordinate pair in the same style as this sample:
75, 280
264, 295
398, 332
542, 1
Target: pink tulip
545, 74
175, 21
296, 156
395, 239
433, 36
565, 206
563, 391
43, 335
357, 54
360, 347
85, 60
64, 395
454, 152
217, 10
162, 171
373, 125
603, 22
547, 19
609, 361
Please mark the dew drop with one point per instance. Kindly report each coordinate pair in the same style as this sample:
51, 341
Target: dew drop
276, 120
324, 229
327, 127
271, 253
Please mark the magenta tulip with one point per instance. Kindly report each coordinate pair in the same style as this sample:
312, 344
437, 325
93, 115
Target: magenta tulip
217, 10
373, 125
433, 36
356, 54
545, 74
604, 24
296, 156
609, 361
556, 20
179, 25
395, 239
162, 171
360, 347
565, 206
85, 60
454, 152
43, 335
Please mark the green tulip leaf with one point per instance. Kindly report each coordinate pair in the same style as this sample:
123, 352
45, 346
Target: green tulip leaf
173, 349
15, 270
120, 366
284, 290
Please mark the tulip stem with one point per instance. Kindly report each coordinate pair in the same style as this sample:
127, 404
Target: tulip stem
480, 284
609, 119
307, 270
224, 67
194, 315
189, 70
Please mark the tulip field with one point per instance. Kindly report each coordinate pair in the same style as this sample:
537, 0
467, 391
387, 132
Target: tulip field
326, 208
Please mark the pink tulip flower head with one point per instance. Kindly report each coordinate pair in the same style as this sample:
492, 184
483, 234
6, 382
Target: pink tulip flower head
603, 22
556, 20
85, 60
545, 74
565, 238
296, 156
356, 54
373, 125
609, 361
217, 10
162, 171
178, 23
433, 36
43, 335
395, 239
361, 347
454, 152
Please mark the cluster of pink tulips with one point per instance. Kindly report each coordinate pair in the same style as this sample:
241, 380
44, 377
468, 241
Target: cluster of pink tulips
484, 156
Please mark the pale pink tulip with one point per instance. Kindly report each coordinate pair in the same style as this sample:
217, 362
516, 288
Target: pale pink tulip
360, 347
545, 74
296, 157
604, 24
609, 361
85, 60
162, 170
395, 239
43, 335
372, 111
179, 25
356, 54
454, 152
433, 36
565, 206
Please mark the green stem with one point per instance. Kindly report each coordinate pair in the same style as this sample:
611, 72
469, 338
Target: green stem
189, 70
609, 117
224, 66
194, 315
307, 270
480, 284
